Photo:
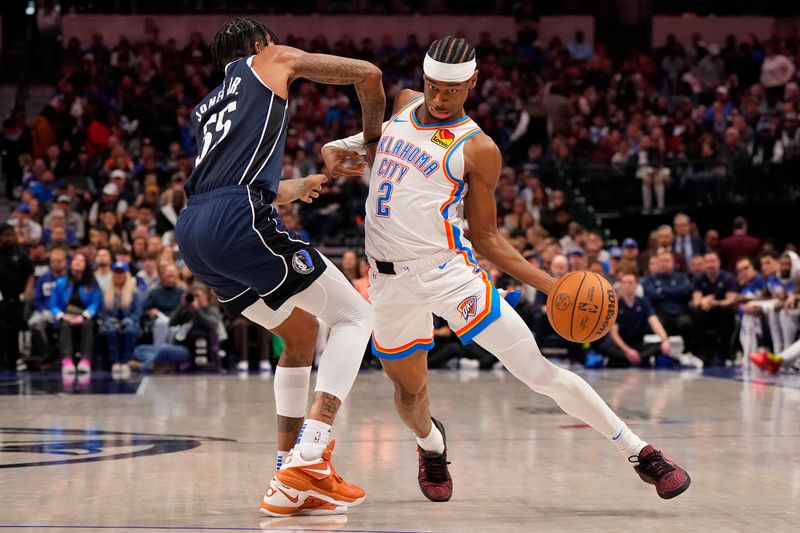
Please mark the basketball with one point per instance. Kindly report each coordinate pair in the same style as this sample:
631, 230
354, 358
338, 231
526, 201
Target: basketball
582, 306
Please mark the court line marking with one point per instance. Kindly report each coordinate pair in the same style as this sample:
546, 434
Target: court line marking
202, 528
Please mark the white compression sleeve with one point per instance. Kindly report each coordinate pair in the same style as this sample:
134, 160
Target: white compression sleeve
333, 300
510, 340
291, 391
354, 143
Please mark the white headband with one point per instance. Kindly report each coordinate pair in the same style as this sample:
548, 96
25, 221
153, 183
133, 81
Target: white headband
448, 72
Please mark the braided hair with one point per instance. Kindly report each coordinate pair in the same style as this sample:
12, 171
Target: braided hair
237, 38
451, 50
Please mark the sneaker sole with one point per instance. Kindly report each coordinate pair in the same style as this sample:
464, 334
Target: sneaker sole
680, 490
309, 490
431, 498
279, 512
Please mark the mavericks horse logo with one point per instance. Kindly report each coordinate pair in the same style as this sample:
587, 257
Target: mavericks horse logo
302, 262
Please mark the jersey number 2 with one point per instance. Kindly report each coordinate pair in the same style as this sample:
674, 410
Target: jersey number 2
221, 129
385, 188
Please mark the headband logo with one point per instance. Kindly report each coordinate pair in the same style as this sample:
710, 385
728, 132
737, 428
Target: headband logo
443, 138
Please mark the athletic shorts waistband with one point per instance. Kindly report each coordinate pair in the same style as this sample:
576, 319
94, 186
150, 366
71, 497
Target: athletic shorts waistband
413, 266
227, 192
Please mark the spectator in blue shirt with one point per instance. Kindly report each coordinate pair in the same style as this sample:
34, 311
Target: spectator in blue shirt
74, 303
714, 298
625, 345
41, 318
579, 49
45, 189
341, 112
669, 292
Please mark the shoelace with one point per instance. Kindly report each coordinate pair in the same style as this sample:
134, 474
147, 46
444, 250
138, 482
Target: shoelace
656, 466
435, 467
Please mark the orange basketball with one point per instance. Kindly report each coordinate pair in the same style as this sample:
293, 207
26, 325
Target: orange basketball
582, 306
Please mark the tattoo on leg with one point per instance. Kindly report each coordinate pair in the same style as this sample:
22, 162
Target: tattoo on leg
330, 404
289, 425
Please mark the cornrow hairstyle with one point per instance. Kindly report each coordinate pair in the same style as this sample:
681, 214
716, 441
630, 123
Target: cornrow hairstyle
451, 50
237, 38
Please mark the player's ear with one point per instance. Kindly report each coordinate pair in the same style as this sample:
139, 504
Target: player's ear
473, 80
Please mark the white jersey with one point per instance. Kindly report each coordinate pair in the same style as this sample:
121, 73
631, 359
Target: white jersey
416, 188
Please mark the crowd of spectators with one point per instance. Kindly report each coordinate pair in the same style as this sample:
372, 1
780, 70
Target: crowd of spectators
96, 180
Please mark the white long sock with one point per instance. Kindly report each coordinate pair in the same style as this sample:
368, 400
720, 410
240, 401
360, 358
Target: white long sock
434, 442
510, 340
661, 190
313, 439
791, 353
627, 442
647, 196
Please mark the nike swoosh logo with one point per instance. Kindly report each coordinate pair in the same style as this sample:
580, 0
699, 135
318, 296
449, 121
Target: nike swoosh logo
400, 120
618, 435
325, 472
293, 500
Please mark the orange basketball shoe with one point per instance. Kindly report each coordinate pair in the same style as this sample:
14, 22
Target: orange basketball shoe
282, 501
317, 478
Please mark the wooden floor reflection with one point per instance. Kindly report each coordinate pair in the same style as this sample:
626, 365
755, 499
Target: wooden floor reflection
193, 453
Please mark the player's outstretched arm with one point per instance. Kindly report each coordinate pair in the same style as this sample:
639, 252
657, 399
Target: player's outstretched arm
305, 189
482, 163
279, 65
337, 153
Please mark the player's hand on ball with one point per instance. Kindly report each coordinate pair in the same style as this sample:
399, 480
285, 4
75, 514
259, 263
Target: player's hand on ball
345, 163
313, 186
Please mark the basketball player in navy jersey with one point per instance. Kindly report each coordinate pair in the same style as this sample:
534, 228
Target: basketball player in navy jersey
435, 170
232, 238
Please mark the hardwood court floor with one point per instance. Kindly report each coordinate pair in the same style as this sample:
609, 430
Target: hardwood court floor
193, 453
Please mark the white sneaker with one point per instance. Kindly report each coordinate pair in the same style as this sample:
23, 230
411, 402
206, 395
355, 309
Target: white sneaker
467, 364
281, 501
265, 368
125, 370
242, 366
116, 368
690, 360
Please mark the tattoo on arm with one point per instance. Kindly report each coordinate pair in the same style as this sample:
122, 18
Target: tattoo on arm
323, 68
339, 70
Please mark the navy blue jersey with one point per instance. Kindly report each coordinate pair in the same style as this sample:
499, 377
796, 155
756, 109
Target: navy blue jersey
240, 129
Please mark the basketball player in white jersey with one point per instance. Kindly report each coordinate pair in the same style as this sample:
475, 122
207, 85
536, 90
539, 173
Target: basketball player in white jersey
434, 166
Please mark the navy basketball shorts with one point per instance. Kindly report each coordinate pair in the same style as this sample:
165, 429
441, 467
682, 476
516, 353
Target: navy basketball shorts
234, 242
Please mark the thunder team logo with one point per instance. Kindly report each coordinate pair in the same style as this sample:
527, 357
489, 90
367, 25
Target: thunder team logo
468, 308
443, 138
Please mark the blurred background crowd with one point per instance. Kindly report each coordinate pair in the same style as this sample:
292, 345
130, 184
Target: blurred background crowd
674, 142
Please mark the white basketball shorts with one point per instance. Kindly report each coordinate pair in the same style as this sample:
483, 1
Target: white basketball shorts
457, 291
